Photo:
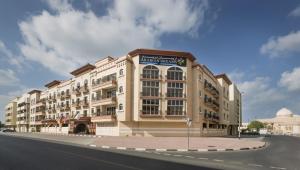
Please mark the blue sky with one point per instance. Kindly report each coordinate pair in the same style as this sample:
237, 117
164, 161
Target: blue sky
256, 42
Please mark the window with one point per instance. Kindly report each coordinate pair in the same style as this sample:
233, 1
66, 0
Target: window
175, 107
110, 110
175, 89
150, 88
150, 72
175, 73
150, 107
120, 106
78, 85
121, 89
121, 72
85, 82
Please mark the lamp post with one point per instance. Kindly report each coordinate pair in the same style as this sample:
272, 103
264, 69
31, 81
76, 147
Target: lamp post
188, 123
239, 127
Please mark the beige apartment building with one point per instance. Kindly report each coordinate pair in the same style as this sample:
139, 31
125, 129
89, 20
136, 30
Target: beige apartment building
10, 114
144, 93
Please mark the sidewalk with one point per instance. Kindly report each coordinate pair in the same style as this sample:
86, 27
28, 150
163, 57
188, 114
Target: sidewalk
155, 143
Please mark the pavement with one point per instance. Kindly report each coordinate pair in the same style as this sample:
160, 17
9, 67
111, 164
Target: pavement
156, 143
282, 153
27, 154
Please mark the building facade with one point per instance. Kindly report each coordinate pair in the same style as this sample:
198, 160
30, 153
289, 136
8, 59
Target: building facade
144, 93
11, 114
285, 123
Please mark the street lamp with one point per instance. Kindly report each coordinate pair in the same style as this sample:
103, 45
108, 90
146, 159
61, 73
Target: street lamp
188, 123
239, 128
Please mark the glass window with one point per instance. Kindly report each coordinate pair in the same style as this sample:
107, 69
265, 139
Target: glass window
150, 88
151, 72
175, 89
121, 89
175, 107
175, 73
150, 107
121, 72
120, 106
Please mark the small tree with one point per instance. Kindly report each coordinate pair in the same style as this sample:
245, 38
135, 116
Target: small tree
256, 125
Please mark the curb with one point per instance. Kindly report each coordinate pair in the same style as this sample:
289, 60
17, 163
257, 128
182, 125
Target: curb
179, 150
63, 134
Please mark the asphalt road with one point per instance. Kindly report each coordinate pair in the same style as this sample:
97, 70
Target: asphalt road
283, 152
19, 153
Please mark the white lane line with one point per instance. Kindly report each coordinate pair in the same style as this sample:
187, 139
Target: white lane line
148, 151
203, 158
218, 160
157, 153
274, 167
257, 165
121, 148
178, 155
189, 156
167, 154
92, 145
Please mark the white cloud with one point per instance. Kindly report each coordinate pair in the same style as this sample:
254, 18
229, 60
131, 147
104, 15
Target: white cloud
69, 38
10, 57
236, 76
295, 12
259, 98
282, 46
291, 80
8, 78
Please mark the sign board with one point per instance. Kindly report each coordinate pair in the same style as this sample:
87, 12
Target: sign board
163, 60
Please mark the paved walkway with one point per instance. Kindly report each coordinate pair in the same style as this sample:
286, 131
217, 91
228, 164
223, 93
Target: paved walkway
162, 143
180, 142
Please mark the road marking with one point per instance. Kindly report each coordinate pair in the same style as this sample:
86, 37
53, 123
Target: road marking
203, 158
218, 160
121, 148
274, 167
189, 156
92, 145
167, 154
157, 153
257, 165
178, 155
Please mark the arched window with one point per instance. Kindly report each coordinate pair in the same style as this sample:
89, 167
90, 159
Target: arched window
121, 72
121, 106
93, 82
151, 72
85, 82
175, 73
78, 85
121, 89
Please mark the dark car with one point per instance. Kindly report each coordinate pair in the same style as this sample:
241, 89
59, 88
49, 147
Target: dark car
9, 130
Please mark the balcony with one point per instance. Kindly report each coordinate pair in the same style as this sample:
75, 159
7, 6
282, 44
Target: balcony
104, 101
84, 89
151, 96
76, 91
175, 113
40, 112
150, 77
170, 79
176, 95
84, 103
104, 85
211, 116
104, 117
152, 113
76, 104
210, 88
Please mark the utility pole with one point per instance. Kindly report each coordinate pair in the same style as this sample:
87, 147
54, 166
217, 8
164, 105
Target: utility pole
188, 123
239, 128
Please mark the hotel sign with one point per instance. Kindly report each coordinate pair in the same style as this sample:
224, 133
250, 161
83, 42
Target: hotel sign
163, 60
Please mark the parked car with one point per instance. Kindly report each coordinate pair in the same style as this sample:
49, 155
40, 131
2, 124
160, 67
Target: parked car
8, 130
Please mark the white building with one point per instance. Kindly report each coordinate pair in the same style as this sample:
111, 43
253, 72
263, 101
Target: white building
285, 123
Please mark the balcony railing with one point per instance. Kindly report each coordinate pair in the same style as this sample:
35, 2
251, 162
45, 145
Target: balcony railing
84, 103
176, 95
170, 78
76, 104
151, 77
76, 91
153, 95
84, 89
103, 100
104, 117
104, 84
150, 113
210, 88
175, 113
